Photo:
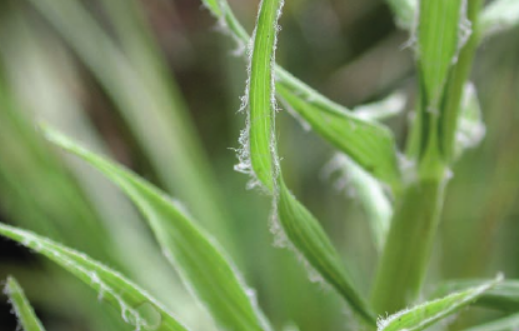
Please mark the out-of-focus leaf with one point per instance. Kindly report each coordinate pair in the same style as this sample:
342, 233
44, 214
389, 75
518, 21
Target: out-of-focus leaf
471, 129
404, 11
428, 313
110, 285
510, 323
504, 296
23, 309
200, 262
380, 110
499, 16
370, 194
133, 77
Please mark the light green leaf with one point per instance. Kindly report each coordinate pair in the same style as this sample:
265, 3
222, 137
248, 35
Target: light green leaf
388, 107
510, 323
23, 309
200, 262
404, 11
369, 192
261, 95
300, 227
504, 296
367, 143
470, 129
426, 314
319, 111
442, 31
111, 286
307, 235
499, 16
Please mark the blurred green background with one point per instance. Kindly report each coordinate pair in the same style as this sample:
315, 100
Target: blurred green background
156, 85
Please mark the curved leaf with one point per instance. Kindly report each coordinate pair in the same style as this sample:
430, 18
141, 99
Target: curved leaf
200, 262
22, 308
426, 314
111, 286
503, 296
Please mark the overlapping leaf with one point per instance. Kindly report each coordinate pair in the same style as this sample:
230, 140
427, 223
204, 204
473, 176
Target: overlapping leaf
301, 228
201, 263
22, 308
319, 112
111, 286
426, 314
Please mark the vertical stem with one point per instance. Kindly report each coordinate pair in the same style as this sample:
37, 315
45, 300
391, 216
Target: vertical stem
409, 242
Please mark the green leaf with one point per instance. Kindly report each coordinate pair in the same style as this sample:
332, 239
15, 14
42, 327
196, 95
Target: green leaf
440, 37
388, 107
499, 16
470, 129
111, 286
426, 314
23, 309
201, 263
319, 111
404, 11
369, 192
261, 94
303, 230
369, 144
510, 323
307, 235
503, 296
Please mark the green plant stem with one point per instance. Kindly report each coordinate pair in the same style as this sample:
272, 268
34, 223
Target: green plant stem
456, 84
408, 246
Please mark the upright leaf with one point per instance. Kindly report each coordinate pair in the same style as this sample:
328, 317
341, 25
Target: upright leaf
301, 228
22, 308
200, 262
319, 112
439, 40
111, 286
261, 95
426, 314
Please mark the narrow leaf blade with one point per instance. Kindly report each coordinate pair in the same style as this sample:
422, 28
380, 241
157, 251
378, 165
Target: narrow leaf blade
261, 94
426, 314
23, 309
307, 235
200, 262
504, 296
367, 143
111, 286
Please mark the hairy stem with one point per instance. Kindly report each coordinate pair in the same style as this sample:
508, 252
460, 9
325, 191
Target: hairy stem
409, 243
408, 246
